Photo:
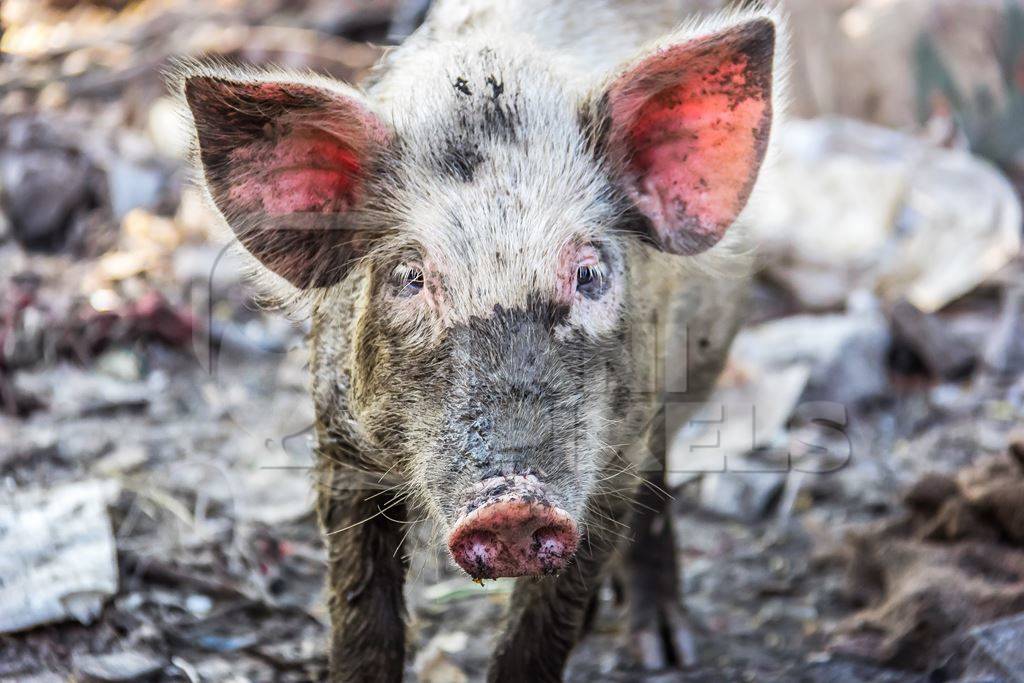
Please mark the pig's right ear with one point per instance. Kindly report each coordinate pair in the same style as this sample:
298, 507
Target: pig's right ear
286, 164
686, 128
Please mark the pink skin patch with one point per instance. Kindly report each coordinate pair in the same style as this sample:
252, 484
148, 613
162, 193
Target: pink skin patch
693, 122
303, 168
304, 175
432, 292
431, 296
514, 533
573, 257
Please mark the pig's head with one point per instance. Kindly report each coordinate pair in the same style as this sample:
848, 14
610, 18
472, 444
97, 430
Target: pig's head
477, 238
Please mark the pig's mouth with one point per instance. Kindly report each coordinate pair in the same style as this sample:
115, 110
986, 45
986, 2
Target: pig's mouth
511, 530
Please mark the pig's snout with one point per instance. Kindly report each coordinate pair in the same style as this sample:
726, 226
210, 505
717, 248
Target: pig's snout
513, 536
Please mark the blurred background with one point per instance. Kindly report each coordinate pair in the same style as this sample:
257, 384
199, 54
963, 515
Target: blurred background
155, 519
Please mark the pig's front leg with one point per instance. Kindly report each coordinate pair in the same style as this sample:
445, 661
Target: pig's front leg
660, 629
366, 572
661, 634
546, 616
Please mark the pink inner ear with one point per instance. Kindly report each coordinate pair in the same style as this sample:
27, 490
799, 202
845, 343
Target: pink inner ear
310, 161
304, 171
694, 120
285, 162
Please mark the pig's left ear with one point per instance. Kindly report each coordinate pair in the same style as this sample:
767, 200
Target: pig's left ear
287, 165
687, 127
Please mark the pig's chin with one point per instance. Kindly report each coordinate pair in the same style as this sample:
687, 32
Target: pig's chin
510, 529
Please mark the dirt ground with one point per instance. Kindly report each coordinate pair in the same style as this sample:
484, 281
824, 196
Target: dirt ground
134, 353
221, 566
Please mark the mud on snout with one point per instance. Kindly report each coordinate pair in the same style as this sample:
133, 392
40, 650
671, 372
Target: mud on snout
510, 527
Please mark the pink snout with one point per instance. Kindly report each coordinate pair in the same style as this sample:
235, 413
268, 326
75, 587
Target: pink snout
513, 537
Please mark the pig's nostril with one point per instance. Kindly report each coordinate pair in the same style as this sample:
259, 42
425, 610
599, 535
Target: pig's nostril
477, 552
548, 543
481, 545
513, 537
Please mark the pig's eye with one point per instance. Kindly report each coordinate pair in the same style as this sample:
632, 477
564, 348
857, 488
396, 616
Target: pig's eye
590, 281
408, 280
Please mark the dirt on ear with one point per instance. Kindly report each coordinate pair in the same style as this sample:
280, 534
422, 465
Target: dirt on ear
954, 561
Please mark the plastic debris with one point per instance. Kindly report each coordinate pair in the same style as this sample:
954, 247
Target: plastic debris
57, 555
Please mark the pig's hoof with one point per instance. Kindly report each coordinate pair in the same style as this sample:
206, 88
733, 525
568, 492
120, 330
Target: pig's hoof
662, 638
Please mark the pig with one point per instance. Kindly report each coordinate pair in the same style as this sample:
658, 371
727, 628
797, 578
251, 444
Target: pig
520, 248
